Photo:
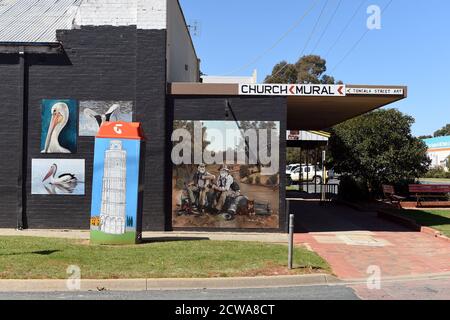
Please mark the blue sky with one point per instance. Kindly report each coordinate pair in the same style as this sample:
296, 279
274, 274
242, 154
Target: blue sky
412, 48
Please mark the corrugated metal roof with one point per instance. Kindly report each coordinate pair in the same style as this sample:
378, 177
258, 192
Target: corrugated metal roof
35, 21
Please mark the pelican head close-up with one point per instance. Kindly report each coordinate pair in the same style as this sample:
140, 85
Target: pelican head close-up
59, 119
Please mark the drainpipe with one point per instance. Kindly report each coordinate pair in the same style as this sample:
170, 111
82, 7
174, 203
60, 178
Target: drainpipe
22, 145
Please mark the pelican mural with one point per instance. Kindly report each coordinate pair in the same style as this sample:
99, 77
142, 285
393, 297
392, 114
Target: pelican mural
63, 179
58, 176
93, 114
57, 139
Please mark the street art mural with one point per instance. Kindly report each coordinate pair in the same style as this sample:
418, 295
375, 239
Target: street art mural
58, 177
94, 113
114, 207
59, 126
226, 174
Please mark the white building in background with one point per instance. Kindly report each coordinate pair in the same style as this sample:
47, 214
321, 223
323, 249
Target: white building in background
113, 214
439, 151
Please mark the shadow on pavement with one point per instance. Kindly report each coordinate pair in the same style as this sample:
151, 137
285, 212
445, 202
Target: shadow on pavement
312, 217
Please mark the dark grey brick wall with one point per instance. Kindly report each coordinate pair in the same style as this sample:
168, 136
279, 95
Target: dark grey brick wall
101, 63
151, 100
10, 97
245, 109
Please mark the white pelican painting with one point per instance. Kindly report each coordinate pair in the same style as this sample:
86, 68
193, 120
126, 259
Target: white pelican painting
95, 113
59, 129
58, 176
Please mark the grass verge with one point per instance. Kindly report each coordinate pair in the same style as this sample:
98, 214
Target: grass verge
436, 219
43, 258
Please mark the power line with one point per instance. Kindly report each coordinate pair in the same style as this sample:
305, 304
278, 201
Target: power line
307, 42
359, 40
294, 26
314, 28
349, 22
327, 26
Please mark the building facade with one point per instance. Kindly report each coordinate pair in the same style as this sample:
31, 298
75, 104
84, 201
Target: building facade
439, 152
137, 54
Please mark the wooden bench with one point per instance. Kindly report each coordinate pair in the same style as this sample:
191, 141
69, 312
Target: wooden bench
389, 194
422, 191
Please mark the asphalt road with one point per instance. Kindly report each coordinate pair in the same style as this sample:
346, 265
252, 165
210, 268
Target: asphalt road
292, 293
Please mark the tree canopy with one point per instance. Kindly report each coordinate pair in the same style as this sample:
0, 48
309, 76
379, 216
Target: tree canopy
378, 148
309, 69
445, 131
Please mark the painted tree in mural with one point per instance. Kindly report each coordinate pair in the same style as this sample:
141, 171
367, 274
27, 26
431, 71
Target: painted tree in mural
378, 148
308, 69
258, 125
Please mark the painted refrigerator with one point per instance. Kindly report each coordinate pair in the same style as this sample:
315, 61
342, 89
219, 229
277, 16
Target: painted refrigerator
116, 209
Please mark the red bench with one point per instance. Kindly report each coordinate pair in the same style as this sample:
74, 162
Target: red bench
389, 194
422, 191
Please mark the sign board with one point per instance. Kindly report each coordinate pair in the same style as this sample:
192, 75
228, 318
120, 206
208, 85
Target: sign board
376, 91
313, 90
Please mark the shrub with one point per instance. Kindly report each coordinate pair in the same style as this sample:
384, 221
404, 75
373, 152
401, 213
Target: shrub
352, 189
437, 173
258, 180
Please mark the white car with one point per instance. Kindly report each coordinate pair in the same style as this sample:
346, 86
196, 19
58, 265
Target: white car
290, 168
307, 173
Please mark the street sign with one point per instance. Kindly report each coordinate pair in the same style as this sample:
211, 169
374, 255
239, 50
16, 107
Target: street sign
313, 90
376, 91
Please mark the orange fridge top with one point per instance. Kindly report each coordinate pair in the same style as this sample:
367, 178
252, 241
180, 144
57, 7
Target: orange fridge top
121, 130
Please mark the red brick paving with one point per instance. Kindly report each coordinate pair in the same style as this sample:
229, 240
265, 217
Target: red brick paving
404, 253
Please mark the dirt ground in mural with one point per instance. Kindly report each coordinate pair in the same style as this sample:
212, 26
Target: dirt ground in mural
257, 193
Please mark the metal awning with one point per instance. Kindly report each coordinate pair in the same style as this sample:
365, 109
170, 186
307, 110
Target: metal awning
311, 112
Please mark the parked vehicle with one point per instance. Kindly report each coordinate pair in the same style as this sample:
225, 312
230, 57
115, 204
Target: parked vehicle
290, 168
307, 173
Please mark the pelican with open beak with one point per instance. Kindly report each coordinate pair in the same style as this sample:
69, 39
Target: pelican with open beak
64, 179
60, 117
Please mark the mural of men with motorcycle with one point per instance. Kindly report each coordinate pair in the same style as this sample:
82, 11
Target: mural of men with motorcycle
227, 194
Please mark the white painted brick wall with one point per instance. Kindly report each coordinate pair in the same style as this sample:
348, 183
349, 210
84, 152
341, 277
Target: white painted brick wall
152, 14
145, 14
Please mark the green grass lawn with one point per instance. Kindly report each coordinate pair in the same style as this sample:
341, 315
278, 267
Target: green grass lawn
434, 181
436, 219
43, 258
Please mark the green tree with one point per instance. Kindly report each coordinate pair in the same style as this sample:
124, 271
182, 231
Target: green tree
445, 131
293, 155
283, 72
307, 70
378, 148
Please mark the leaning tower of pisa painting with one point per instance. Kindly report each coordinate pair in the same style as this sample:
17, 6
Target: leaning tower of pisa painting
113, 213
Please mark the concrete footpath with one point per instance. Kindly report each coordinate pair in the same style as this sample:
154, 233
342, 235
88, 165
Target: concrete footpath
157, 236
